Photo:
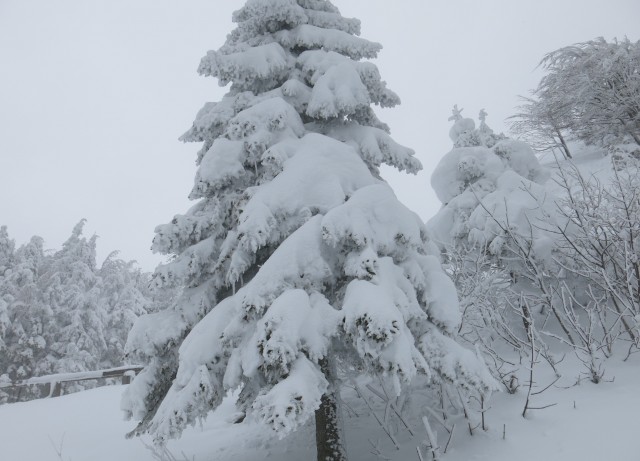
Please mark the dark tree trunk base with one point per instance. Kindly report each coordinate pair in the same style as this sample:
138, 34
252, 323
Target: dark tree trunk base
329, 442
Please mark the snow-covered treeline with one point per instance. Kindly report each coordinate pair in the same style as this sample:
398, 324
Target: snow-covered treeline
62, 312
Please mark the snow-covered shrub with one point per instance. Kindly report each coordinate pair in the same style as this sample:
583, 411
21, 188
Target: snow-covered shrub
599, 245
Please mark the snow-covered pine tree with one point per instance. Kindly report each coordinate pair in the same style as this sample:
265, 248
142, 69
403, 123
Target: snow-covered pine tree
122, 299
7, 250
7, 261
27, 318
297, 258
486, 181
72, 290
7, 256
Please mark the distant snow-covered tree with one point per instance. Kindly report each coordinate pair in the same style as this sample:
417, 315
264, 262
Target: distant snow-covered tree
71, 289
592, 89
27, 318
123, 298
299, 262
7, 256
7, 250
485, 176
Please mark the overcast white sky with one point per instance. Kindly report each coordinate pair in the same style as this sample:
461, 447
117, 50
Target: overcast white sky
94, 94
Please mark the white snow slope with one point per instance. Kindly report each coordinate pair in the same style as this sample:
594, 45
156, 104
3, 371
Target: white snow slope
588, 422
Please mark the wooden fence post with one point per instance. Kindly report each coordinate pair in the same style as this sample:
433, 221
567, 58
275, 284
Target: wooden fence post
57, 389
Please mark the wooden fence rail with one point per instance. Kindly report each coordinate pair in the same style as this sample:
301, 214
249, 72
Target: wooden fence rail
53, 383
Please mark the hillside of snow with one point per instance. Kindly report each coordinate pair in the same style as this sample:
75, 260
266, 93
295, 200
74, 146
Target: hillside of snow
587, 422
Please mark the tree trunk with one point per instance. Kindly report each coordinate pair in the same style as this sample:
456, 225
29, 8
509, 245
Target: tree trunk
329, 443
635, 137
565, 148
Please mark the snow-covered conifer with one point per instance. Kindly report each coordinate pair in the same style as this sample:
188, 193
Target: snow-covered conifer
122, 299
297, 259
487, 182
71, 290
7, 255
27, 319
7, 250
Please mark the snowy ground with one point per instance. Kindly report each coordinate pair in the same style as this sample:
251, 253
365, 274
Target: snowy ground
588, 422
